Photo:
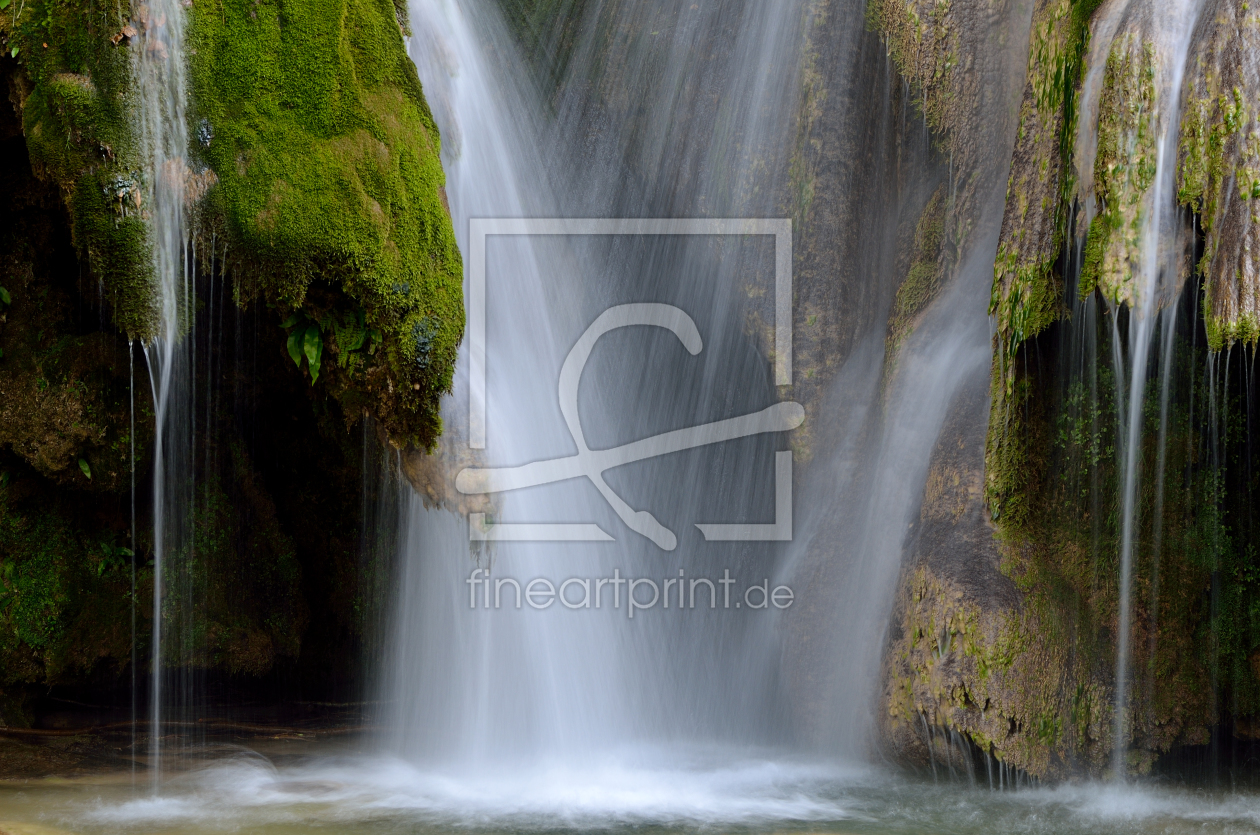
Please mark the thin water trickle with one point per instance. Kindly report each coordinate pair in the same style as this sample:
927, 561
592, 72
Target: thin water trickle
1154, 287
132, 544
162, 105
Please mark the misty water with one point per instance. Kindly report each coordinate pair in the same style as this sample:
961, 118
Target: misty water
282, 791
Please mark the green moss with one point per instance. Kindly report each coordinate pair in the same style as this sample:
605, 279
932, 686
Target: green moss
1196, 577
1222, 333
1068, 81
924, 51
1026, 290
1124, 169
64, 588
74, 88
1216, 160
923, 279
330, 188
1206, 126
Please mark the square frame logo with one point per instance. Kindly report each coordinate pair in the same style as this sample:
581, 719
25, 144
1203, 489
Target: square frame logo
591, 464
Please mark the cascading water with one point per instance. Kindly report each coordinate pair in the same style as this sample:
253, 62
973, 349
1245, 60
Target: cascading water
1157, 274
579, 684
483, 691
160, 81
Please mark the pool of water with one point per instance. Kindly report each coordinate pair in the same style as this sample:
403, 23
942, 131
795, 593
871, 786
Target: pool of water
243, 790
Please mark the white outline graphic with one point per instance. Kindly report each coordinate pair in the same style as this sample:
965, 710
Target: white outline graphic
591, 464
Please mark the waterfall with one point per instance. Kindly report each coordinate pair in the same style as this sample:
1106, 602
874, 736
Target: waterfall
162, 100
1155, 280
667, 110
480, 686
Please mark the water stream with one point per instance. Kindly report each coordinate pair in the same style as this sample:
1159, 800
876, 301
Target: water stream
683, 111
1156, 278
471, 686
160, 69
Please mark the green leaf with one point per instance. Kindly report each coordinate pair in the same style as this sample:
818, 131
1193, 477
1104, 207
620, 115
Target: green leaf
351, 334
292, 320
295, 347
5, 297
4, 4
87, 471
13, 52
313, 347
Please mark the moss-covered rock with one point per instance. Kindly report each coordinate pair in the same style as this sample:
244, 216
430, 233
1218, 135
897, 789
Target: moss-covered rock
330, 195
1124, 171
1219, 171
952, 53
311, 120
315, 162
923, 278
1219, 161
71, 82
1010, 640
1026, 290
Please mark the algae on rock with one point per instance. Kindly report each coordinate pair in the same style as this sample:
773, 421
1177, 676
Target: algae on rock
950, 52
1026, 290
1219, 170
73, 89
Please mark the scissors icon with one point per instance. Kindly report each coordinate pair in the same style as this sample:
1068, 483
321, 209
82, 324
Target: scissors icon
592, 464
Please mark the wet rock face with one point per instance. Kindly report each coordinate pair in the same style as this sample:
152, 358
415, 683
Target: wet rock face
975, 664
1219, 165
953, 55
1025, 294
1104, 82
1003, 635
